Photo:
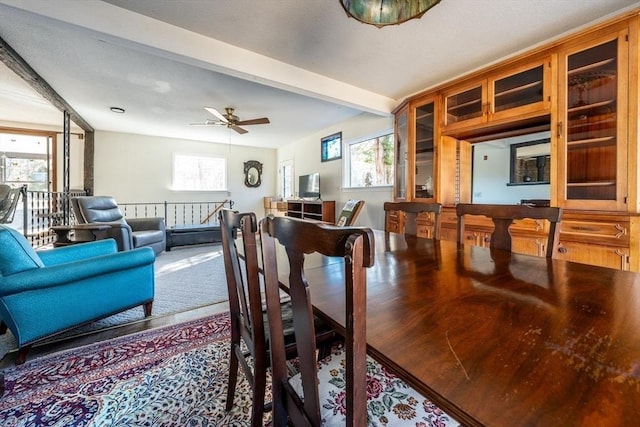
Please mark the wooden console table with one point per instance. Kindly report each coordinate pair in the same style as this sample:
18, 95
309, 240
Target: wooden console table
65, 235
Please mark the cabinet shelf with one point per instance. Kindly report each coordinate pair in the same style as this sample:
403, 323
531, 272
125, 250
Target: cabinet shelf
519, 89
579, 122
317, 210
593, 142
421, 141
591, 184
595, 105
590, 67
463, 105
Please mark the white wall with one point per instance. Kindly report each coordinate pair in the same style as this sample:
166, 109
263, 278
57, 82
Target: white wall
137, 169
305, 155
491, 163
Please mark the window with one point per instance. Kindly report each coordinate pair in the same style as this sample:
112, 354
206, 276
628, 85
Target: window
286, 179
25, 159
197, 173
370, 162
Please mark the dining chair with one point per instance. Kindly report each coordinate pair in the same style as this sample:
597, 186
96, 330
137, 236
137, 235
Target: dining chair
249, 338
408, 224
350, 212
337, 389
504, 215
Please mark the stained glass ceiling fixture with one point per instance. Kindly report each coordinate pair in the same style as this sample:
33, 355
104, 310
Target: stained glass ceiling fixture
386, 12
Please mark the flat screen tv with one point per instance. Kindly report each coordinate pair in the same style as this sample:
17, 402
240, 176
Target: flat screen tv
309, 186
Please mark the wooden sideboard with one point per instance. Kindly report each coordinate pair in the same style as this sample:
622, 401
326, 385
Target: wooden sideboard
596, 238
319, 210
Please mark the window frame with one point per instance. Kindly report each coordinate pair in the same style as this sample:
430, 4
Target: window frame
200, 157
346, 156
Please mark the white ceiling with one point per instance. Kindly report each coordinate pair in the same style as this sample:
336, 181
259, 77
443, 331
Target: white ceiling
302, 63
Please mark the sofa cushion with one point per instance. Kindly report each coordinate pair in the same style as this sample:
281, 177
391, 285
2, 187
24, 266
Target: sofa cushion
99, 209
16, 254
147, 237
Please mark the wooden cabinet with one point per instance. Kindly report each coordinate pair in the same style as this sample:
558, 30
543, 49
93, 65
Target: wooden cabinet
394, 222
401, 154
318, 210
425, 223
422, 147
583, 90
597, 238
592, 125
518, 92
465, 106
528, 236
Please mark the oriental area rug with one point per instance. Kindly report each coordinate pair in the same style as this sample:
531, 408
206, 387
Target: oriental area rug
171, 376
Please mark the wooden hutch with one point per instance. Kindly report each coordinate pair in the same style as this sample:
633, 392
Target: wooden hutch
583, 90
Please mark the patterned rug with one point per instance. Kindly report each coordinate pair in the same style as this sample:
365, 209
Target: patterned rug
171, 376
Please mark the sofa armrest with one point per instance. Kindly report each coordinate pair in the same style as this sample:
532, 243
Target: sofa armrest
121, 232
140, 224
77, 252
69, 272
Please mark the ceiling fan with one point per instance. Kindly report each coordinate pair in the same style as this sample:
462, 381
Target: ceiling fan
230, 120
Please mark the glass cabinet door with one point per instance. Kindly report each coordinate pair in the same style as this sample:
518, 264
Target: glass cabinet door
524, 90
465, 107
519, 93
424, 150
401, 155
592, 138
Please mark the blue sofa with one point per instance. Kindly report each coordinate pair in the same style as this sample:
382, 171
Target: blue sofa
44, 293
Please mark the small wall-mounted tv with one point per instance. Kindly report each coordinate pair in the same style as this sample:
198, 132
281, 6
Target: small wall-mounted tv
309, 186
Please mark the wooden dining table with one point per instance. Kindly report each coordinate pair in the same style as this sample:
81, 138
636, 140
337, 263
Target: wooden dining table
496, 338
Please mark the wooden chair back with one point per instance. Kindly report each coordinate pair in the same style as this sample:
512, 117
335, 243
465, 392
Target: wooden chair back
350, 213
411, 211
298, 237
245, 304
504, 215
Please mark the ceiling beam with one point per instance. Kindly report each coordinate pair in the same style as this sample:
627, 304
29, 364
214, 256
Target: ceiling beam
124, 28
18, 65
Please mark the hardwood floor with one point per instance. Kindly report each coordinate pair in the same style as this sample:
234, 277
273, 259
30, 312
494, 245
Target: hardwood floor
114, 332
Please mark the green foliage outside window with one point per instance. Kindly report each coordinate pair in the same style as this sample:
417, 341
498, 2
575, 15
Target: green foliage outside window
371, 162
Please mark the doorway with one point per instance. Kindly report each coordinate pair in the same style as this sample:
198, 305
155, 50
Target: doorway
26, 159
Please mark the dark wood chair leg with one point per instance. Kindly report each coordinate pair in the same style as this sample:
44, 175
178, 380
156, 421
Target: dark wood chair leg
147, 308
22, 354
233, 377
259, 386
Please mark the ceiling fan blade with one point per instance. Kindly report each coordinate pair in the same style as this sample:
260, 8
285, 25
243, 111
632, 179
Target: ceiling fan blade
217, 114
261, 121
238, 129
207, 123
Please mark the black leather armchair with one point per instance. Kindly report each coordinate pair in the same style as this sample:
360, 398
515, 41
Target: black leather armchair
128, 233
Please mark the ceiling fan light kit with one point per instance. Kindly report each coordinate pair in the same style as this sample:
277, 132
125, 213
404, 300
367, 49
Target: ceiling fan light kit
230, 120
386, 12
